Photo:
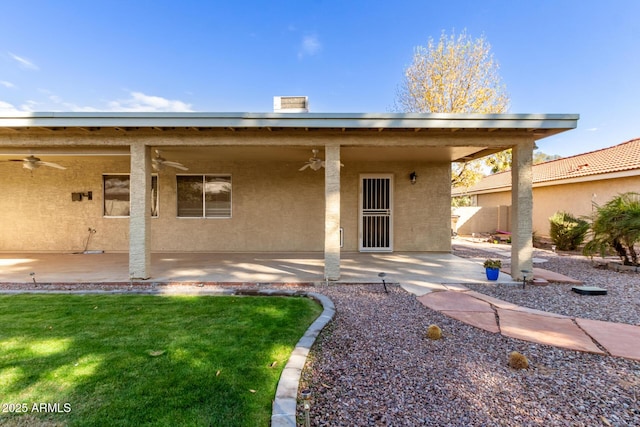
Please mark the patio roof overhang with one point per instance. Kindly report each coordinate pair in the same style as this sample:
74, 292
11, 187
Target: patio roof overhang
384, 137
452, 137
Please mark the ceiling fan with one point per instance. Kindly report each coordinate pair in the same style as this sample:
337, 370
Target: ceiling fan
32, 162
315, 162
159, 162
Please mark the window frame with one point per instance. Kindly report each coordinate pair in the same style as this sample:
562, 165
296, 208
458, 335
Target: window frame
203, 195
154, 177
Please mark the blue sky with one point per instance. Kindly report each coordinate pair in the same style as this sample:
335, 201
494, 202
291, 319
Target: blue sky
346, 55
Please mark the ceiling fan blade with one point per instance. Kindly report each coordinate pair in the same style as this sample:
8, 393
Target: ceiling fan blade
175, 165
51, 165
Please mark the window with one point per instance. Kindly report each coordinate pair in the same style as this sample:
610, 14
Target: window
116, 195
204, 196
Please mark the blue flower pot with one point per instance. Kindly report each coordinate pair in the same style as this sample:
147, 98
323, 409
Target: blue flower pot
492, 273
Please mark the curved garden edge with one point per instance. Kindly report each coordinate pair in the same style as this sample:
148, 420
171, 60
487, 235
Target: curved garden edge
283, 413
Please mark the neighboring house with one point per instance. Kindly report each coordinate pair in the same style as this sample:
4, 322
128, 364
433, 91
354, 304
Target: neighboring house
573, 184
243, 190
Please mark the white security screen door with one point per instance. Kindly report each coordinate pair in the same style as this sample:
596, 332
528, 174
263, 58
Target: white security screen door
376, 220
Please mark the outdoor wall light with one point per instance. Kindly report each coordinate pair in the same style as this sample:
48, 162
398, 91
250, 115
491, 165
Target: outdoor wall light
413, 177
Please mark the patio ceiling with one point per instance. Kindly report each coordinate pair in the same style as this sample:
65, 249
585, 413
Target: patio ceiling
253, 153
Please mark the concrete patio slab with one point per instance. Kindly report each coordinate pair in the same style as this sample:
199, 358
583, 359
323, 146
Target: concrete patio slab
420, 270
619, 339
418, 288
546, 330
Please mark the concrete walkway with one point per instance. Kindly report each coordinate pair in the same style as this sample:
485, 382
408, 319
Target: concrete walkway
497, 316
526, 324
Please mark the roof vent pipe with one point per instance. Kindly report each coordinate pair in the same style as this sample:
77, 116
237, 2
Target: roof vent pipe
290, 104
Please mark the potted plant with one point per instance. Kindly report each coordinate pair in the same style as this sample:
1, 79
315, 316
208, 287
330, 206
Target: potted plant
492, 268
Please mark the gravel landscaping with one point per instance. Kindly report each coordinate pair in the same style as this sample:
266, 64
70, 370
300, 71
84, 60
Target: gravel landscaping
621, 304
373, 365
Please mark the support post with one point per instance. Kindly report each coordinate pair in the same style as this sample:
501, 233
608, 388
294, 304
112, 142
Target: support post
522, 209
332, 213
140, 213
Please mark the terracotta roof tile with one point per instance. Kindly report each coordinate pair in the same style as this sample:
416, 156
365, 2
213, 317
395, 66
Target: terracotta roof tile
621, 157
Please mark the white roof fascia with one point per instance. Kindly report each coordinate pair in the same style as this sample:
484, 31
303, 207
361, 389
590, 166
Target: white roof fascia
294, 120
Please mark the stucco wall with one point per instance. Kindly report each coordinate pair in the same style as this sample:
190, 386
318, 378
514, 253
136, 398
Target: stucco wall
485, 219
275, 208
494, 199
574, 198
38, 214
421, 212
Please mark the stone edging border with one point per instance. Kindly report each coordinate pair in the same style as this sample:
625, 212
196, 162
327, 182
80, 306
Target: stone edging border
283, 413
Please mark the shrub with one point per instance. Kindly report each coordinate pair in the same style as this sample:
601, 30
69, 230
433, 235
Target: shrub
616, 225
567, 232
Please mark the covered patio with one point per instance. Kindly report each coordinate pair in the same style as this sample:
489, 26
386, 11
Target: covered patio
377, 184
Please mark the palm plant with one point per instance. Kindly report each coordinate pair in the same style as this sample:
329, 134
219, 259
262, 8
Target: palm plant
567, 232
617, 225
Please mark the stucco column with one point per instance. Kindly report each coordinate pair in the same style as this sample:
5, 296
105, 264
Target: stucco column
522, 209
332, 212
140, 213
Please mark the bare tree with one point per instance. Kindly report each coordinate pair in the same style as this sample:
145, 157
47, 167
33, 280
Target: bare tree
455, 75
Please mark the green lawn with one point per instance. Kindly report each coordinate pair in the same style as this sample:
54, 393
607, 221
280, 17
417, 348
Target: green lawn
120, 360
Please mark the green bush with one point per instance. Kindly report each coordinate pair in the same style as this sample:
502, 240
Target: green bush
616, 225
567, 232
